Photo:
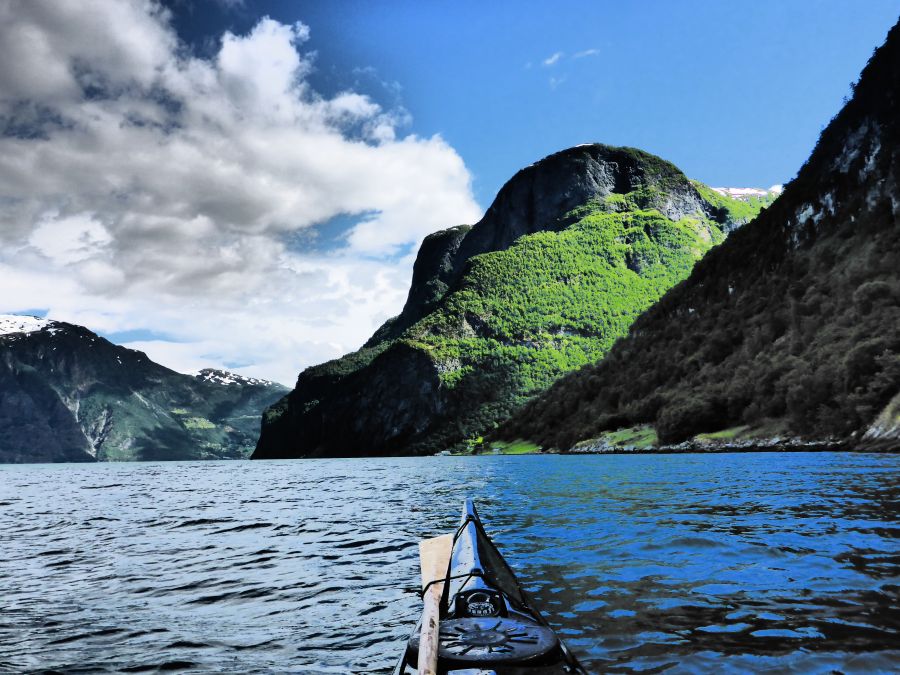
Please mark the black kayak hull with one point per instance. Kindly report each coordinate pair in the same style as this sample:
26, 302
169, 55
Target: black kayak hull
489, 626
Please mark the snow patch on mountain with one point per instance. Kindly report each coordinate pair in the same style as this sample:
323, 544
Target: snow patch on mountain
15, 323
747, 193
218, 376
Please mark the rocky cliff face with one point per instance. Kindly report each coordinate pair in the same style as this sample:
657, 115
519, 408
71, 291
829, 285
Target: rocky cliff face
433, 273
570, 251
792, 327
543, 195
67, 394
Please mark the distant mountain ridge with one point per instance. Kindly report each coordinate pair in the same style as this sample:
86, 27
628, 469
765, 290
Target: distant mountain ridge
748, 193
572, 249
788, 332
219, 376
67, 394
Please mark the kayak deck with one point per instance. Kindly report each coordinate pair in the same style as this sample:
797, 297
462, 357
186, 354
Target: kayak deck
488, 625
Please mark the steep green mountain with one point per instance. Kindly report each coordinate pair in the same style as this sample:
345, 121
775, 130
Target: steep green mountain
791, 328
573, 248
67, 394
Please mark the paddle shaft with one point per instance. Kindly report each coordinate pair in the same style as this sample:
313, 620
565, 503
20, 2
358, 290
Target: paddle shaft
428, 638
434, 557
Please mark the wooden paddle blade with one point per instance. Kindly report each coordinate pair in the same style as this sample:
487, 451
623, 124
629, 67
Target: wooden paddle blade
434, 557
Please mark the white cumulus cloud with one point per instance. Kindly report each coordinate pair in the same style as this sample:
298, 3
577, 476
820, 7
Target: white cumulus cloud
143, 187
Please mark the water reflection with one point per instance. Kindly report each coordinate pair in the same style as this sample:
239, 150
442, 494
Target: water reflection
683, 563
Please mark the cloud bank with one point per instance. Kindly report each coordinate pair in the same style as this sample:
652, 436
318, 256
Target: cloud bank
143, 187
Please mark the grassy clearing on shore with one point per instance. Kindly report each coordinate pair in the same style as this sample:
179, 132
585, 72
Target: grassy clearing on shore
638, 437
768, 429
517, 447
725, 434
630, 438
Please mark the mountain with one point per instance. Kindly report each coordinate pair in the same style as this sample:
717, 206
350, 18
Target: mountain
742, 204
790, 330
750, 194
572, 249
67, 394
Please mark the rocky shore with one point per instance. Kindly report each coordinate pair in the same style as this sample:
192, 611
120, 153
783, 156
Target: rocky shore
775, 444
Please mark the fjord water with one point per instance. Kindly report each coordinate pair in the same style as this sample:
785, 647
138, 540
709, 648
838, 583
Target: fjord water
683, 563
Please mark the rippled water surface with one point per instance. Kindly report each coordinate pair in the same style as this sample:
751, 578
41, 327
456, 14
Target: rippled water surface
679, 563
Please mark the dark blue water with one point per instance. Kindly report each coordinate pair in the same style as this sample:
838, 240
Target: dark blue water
680, 563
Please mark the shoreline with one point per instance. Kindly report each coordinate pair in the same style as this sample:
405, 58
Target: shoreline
887, 450
883, 446
712, 447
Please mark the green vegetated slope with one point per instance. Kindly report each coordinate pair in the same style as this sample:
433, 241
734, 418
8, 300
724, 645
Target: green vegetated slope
554, 301
67, 394
484, 330
791, 327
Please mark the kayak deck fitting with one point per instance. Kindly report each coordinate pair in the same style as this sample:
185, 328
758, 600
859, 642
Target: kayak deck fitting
487, 624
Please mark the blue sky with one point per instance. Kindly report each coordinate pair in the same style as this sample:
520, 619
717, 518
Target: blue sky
245, 184
734, 93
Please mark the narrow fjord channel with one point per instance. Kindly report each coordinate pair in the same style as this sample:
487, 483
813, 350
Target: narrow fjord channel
682, 563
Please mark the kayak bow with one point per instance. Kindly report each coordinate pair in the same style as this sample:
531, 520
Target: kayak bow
487, 623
